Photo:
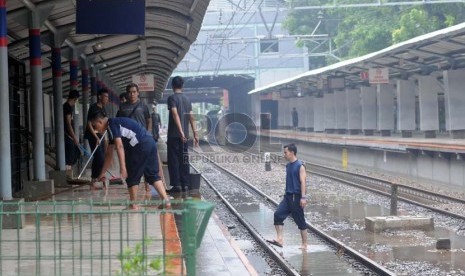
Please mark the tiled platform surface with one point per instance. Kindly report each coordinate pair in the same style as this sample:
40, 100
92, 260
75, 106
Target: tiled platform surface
217, 255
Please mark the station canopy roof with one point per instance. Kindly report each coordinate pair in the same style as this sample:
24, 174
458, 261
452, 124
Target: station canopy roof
423, 55
170, 29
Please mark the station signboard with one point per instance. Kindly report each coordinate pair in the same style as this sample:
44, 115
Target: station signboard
378, 75
146, 82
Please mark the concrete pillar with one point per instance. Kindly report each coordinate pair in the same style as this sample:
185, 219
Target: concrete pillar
85, 92
73, 82
310, 102
354, 111
284, 114
319, 114
428, 88
58, 108
85, 98
5, 143
307, 106
329, 112
454, 98
73, 72
406, 107
281, 111
37, 103
47, 119
302, 110
369, 114
340, 102
385, 96
255, 106
93, 84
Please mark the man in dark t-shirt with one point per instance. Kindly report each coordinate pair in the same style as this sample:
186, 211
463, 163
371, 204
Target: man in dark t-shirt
135, 109
71, 140
93, 137
295, 118
180, 116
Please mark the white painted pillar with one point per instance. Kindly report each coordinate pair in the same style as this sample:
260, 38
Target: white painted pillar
385, 97
340, 108
319, 114
369, 111
330, 112
428, 88
354, 111
406, 107
454, 96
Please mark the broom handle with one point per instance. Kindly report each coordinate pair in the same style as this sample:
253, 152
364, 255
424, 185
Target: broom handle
93, 152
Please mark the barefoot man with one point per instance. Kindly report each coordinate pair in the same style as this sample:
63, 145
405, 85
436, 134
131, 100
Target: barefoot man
294, 200
137, 153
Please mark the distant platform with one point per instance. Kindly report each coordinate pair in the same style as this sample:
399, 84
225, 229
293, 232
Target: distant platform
397, 143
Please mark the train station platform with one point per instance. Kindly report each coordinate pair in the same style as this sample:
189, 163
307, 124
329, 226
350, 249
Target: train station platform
442, 143
434, 163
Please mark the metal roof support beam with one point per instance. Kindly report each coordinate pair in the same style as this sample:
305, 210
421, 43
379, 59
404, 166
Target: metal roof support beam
143, 52
114, 48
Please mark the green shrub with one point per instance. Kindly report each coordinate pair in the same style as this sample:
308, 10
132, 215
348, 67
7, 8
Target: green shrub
135, 262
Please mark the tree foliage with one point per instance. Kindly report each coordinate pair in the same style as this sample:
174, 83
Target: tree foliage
358, 31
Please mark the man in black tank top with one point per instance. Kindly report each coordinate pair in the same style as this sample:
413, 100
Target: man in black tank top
294, 200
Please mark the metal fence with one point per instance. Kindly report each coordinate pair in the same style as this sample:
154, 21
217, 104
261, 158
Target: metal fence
100, 238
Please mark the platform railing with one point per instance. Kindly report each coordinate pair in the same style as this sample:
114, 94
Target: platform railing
100, 238
195, 222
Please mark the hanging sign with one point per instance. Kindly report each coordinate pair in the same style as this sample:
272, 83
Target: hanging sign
146, 82
378, 75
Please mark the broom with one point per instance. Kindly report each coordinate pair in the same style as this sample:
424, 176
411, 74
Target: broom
80, 181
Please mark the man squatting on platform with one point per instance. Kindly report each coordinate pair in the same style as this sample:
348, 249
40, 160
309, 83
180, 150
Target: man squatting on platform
137, 158
295, 198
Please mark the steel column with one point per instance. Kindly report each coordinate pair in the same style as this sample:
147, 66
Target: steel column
37, 104
73, 82
5, 151
85, 94
58, 109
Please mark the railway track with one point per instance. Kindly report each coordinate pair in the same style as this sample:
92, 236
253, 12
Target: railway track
235, 192
443, 204
436, 202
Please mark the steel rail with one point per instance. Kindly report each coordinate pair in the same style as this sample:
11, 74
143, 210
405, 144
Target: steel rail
367, 262
278, 258
383, 187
